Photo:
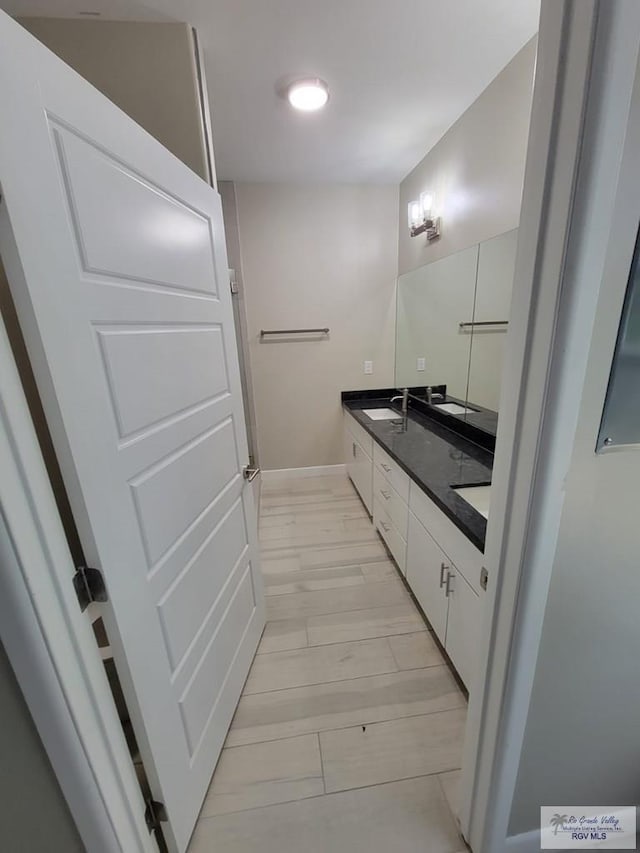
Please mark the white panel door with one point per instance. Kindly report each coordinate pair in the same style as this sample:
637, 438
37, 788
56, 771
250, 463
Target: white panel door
117, 264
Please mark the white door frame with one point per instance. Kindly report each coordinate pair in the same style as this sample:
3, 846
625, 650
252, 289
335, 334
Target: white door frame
586, 68
571, 180
51, 645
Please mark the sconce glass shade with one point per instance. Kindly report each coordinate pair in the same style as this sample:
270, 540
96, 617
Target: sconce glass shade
415, 215
426, 205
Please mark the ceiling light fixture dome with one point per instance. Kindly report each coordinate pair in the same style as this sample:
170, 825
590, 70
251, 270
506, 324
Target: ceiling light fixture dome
308, 95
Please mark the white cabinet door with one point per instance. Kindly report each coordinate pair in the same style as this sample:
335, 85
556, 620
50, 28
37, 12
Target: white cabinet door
359, 465
359, 433
463, 626
363, 475
116, 258
348, 452
426, 571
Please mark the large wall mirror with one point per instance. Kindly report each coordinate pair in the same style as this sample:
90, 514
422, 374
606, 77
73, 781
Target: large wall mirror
451, 323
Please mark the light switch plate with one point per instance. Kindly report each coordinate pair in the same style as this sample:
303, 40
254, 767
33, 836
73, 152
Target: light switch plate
420, 364
368, 367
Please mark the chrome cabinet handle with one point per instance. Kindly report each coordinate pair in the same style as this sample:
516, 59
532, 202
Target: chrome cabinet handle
353, 445
447, 589
443, 568
386, 467
385, 495
384, 526
250, 473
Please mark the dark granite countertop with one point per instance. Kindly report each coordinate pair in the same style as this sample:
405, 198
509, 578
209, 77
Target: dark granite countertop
433, 455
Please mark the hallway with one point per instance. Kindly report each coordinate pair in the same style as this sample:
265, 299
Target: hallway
348, 735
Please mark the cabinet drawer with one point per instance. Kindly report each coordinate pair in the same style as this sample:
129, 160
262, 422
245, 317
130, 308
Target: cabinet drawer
393, 540
453, 542
392, 471
359, 433
425, 575
391, 502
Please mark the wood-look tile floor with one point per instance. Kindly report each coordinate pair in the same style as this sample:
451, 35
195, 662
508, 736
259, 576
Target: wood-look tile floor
348, 735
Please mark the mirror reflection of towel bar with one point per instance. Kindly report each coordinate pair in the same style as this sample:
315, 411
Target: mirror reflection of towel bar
484, 323
265, 332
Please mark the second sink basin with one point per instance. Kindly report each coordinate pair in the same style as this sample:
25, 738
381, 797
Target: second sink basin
478, 496
382, 414
453, 408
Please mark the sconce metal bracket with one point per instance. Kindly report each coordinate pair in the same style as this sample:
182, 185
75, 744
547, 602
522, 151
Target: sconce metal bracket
430, 227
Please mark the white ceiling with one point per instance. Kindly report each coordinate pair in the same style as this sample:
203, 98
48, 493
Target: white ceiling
400, 73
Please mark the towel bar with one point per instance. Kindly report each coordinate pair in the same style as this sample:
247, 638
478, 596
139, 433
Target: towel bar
265, 332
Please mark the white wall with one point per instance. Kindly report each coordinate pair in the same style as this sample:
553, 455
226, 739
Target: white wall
316, 255
34, 815
581, 742
476, 171
148, 69
582, 738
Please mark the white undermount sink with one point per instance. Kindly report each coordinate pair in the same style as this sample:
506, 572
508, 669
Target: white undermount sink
382, 414
478, 496
453, 408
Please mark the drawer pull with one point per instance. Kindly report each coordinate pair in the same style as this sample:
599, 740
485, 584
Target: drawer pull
443, 568
384, 526
353, 445
386, 468
385, 495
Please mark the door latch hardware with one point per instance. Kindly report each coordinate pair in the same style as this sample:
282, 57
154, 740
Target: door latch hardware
250, 473
153, 814
484, 578
89, 586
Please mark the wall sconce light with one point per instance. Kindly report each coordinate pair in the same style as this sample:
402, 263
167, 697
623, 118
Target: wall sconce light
422, 219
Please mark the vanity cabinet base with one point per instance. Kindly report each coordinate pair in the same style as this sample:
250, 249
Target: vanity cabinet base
441, 566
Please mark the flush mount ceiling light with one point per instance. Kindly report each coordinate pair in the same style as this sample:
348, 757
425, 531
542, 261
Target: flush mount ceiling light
308, 94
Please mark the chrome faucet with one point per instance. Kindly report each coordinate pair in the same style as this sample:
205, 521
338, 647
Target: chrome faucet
405, 401
430, 395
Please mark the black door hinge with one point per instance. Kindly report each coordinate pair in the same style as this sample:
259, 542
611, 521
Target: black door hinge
154, 813
89, 586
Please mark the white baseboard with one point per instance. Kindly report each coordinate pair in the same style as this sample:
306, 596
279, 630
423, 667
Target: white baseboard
290, 473
526, 842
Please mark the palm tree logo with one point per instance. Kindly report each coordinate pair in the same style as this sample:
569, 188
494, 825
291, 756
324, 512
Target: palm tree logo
557, 821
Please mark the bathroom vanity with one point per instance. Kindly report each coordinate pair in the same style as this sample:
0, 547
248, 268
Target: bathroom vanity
426, 481
417, 478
